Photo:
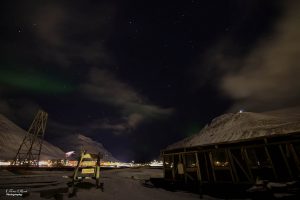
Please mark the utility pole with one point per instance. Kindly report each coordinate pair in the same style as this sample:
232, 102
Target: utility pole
30, 149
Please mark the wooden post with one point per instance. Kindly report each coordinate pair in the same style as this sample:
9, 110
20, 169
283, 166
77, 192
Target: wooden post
182, 159
164, 164
97, 173
285, 160
233, 172
77, 167
245, 155
199, 182
198, 168
173, 168
269, 157
295, 156
212, 166
206, 164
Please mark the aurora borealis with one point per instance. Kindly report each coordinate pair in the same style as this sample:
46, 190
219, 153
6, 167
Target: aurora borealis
33, 82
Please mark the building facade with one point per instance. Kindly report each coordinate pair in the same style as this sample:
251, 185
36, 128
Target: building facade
268, 149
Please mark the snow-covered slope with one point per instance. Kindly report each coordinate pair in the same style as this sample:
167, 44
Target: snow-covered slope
11, 137
240, 126
77, 141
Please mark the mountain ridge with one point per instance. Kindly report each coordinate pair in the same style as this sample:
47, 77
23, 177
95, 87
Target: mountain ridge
11, 137
76, 142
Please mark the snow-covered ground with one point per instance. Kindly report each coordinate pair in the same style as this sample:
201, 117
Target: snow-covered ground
127, 184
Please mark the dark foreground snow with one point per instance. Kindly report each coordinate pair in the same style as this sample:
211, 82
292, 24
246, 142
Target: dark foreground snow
126, 184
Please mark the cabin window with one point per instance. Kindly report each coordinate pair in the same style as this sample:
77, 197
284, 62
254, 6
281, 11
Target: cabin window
220, 159
258, 157
190, 160
168, 162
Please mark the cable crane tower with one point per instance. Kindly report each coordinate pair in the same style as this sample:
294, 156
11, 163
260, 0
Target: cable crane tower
30, 149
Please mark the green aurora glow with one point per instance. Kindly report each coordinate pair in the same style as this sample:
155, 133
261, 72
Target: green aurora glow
35, 82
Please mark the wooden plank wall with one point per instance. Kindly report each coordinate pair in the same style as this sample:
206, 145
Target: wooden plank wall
241, 168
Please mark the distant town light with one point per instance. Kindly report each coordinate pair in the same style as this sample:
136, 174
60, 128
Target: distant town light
44, 163
4, 163
156, 163
241, 111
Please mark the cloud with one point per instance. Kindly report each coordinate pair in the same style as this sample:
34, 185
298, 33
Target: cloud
67, 32
61, 35
50, 18
268, 76
102, 86
134, 119
127, 124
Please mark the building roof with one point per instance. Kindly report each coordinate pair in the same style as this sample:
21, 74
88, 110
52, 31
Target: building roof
235, 127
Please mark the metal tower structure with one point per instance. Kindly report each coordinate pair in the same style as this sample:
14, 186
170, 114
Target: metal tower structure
30, 149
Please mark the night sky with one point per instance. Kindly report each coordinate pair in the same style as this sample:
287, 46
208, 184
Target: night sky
139, 75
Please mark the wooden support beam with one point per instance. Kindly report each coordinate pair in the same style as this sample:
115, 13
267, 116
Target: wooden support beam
184, 166
233, 172
245, 155
190, 177
271, 161
212, 166
242, 168
164, 164
285, 161
183, 152
295, 156
173, 168
206, 167
198, 168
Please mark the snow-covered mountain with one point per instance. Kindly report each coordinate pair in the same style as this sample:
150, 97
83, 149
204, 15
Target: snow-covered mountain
241, 126
77, 142
11, 137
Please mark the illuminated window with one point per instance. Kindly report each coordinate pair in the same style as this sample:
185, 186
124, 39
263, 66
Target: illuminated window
220, 159
168, 163
190, 160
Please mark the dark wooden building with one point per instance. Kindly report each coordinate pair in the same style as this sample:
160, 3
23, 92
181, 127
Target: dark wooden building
239, 148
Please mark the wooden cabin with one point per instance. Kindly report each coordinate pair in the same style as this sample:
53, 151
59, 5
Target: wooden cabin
238, 148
